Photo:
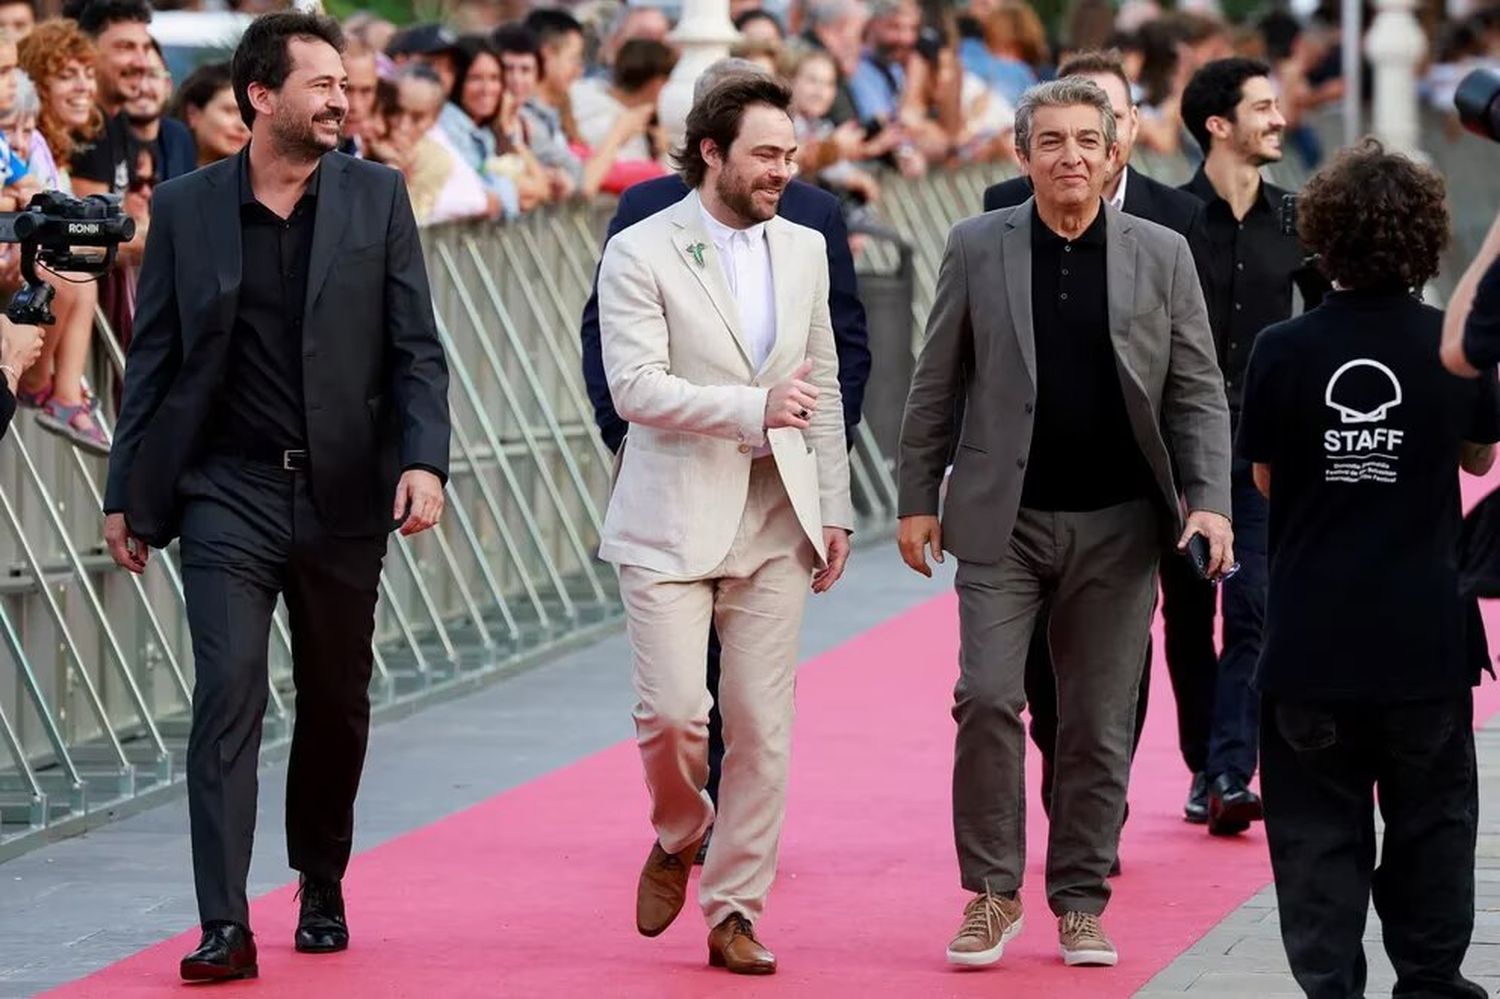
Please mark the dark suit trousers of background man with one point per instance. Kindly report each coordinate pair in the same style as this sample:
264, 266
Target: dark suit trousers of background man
249, 533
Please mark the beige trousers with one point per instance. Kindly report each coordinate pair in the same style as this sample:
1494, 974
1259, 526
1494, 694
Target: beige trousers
755, 599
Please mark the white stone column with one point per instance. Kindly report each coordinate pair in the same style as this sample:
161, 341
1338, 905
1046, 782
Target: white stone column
703, 37
1395, 46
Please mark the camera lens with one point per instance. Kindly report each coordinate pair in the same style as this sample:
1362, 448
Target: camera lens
1478, 103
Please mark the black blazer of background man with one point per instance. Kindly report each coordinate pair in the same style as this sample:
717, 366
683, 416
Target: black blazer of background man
285, 373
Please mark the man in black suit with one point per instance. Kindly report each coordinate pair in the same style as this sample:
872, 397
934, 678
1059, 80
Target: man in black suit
1188, 602
803, 204
285, 406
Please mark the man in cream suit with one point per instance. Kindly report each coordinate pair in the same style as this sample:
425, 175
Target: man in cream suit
1080, 338
730, 500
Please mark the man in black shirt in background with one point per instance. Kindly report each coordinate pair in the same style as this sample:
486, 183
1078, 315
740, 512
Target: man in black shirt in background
108, 165
1357, 434
1248, 267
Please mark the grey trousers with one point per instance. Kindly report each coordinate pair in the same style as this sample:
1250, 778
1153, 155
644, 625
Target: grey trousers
1098, 569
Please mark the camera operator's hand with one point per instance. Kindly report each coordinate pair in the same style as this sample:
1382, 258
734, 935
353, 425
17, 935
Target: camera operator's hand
128, 551
1461, 305
20, 346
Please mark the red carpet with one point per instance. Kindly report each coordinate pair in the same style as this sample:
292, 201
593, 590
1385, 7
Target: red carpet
531, 893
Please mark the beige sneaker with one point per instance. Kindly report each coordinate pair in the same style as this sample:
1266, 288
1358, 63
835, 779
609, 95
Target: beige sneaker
1081, 940
990, 922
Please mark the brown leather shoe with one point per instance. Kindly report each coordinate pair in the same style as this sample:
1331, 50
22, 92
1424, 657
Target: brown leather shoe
663, 888
732, 945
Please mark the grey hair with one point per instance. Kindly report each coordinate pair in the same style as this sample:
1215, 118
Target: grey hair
723, 70
27, 99
824, 12
1072, 91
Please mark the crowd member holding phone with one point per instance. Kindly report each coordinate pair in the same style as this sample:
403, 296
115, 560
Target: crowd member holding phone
1357, 434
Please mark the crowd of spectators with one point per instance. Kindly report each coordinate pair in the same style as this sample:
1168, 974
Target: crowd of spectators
515, 107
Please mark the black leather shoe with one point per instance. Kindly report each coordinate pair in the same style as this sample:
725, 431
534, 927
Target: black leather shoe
320, 927
1232, 806
226, 953
1195, 809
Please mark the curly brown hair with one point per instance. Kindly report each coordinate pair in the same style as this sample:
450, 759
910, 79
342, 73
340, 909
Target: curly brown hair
43, 55
1375, 219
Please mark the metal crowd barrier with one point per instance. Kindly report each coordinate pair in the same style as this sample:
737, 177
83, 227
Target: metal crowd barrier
96, 676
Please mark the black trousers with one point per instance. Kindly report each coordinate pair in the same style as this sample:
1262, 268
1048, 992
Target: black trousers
250, 533
1188, 615
1322, 768
715, 721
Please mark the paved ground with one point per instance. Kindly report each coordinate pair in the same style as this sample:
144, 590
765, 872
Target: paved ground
75, 906
1241, 958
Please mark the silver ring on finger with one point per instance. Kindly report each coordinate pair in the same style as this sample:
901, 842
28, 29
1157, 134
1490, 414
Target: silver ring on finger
802, 414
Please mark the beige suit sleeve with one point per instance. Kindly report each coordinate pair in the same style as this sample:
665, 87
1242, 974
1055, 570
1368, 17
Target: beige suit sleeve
634, 335
927, 427
826, 432
1195, 410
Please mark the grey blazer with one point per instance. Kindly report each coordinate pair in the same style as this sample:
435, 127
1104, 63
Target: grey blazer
981, 344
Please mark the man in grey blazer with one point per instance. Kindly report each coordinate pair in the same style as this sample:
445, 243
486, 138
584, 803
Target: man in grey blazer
1079, 336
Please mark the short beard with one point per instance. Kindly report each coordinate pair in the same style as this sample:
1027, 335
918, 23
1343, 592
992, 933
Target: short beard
297, 139
740, 199
1256, 158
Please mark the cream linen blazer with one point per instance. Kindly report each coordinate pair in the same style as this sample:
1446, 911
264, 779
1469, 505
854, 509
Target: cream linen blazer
680, 373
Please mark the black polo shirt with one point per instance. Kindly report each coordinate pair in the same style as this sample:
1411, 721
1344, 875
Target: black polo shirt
1362, 427
1083, 455
262, 409
1247, 272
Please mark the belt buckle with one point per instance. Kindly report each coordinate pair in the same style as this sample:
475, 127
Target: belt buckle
290, 460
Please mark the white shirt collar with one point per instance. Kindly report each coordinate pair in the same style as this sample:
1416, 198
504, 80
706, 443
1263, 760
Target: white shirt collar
1119, 199
722, 234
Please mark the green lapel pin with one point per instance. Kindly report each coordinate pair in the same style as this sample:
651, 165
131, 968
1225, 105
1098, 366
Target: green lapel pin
696, 249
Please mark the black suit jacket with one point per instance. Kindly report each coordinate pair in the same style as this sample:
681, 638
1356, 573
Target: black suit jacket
1144, 198
178, 149
803, 204
375, 382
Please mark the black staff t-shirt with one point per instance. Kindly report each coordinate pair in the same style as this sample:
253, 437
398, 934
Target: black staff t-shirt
1363, 428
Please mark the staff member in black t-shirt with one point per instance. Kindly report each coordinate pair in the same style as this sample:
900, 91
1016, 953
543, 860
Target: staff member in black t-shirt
1357, 433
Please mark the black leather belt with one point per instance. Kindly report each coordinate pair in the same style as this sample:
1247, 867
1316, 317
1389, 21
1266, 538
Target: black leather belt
289, 461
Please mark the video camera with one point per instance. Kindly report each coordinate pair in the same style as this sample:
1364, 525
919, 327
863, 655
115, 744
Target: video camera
49, 230
1478, 102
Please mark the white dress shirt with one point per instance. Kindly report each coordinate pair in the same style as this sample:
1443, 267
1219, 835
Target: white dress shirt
746, 257
747, 267
1119, 199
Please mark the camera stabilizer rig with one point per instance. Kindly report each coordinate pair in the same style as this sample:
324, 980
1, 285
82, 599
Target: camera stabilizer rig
49, 230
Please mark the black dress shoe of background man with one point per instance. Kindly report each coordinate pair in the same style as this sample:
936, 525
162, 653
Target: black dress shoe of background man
321, 928
1195, 809
1232, 806
226, 952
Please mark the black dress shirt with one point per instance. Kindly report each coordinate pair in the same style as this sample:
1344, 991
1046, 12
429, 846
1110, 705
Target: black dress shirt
262, 409
1083, 453
1247, 267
